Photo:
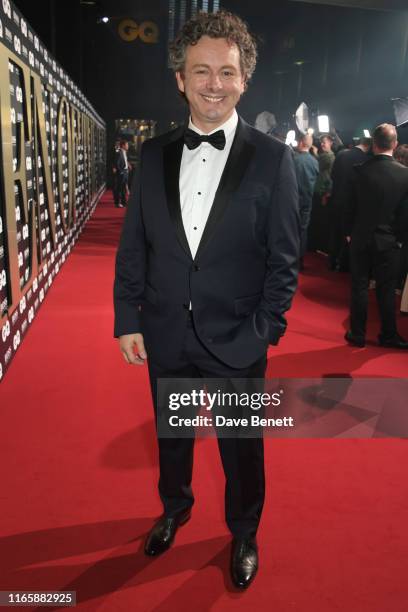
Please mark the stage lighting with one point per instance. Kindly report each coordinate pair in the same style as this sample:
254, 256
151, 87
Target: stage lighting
323, 123
105, 19
367, 134
310, 131
290, 137
302, 117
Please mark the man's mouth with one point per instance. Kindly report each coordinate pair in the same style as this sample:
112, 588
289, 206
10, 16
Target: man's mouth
213, 99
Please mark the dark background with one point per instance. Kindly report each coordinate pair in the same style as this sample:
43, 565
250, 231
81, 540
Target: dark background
355, 59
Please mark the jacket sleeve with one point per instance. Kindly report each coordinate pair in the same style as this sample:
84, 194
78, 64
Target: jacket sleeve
283, 252
130, 264
401, 221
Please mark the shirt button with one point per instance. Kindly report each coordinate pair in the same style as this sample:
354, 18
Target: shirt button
199, 192
203, 160
195, 228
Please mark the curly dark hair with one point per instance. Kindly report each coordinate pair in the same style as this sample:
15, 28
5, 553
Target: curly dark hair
215, 25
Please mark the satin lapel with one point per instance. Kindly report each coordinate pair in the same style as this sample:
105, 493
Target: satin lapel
238, 160
172, 153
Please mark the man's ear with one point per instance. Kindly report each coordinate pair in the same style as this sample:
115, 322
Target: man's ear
180, 81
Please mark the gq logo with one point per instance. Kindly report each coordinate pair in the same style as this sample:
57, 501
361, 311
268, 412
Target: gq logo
129, 31
7, 8
16, 340
5, 331
3, 279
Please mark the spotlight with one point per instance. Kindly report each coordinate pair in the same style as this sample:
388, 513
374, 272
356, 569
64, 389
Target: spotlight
310, 131
323, 123
367, 133
103, 19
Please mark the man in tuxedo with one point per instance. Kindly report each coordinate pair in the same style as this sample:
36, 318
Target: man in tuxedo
207, 266
342, 173
122, 167
376, 225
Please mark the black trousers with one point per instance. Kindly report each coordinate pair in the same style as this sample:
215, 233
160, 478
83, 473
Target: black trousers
338, 246
120, 187
318, 230
383, 267
242, 458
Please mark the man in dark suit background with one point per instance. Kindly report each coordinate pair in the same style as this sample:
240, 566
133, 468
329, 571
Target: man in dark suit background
122, 168
342, 173
376, 225
207, 265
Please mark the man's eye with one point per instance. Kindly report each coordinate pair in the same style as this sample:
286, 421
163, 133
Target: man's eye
202, 71
227, 73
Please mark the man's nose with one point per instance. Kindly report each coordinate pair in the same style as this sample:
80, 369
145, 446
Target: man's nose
214, 82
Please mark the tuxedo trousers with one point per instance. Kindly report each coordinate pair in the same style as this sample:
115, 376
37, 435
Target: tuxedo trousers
120, 187
382, 265
242, 458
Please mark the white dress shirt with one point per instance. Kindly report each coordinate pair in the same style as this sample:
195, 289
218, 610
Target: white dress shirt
200, 174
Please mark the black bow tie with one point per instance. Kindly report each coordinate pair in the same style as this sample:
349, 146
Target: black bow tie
193, 140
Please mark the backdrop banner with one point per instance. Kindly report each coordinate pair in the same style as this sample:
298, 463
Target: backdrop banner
52, 173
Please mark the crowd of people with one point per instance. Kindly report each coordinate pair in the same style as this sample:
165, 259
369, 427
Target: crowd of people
354, 208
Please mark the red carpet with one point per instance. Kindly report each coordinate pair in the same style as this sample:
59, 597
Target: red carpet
78, 468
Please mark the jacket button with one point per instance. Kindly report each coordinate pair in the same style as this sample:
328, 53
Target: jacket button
186, 306
196, 268
209, 340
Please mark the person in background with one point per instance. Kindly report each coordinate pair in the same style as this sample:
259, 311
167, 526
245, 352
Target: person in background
122, 167
319, 221
376, 225
113, 155
401, 155
341, 184
307, 170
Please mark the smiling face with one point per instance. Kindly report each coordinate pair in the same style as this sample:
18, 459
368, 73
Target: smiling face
212, 81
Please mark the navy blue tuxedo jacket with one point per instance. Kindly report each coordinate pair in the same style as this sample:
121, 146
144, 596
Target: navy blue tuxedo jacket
243, 277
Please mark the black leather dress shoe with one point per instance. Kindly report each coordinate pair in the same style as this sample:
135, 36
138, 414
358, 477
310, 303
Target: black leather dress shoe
244, 561
354, 340
394, 342
162, 535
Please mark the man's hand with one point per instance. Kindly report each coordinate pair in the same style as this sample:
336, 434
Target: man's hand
348, 238
133, 349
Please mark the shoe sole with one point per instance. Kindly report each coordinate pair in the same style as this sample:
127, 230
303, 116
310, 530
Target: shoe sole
353, 343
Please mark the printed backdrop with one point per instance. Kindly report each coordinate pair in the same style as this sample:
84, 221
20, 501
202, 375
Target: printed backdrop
52, 162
